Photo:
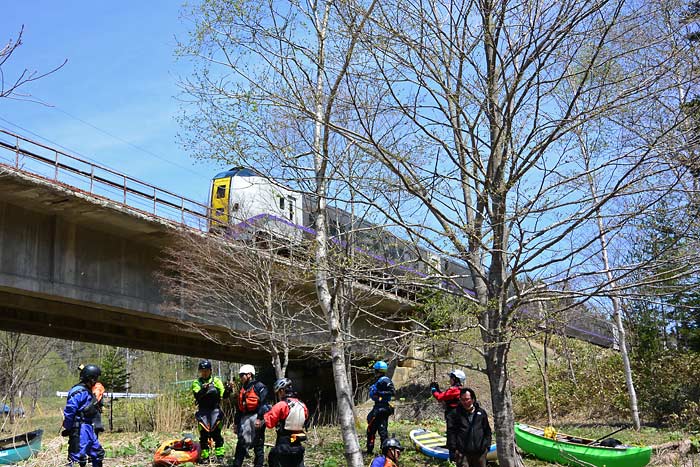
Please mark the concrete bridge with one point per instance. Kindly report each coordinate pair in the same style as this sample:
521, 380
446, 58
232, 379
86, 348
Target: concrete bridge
79, 248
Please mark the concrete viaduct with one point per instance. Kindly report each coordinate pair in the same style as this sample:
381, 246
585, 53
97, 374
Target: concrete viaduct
79, 249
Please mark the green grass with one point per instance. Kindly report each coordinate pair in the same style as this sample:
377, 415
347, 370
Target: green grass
324, 446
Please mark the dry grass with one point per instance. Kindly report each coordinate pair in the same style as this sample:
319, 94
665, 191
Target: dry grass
169, 415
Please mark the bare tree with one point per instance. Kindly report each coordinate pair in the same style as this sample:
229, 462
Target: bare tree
470, 106
20, 357
262, 298
8, 88
270, 76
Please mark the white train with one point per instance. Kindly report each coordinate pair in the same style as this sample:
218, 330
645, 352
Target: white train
255, 206
247, 201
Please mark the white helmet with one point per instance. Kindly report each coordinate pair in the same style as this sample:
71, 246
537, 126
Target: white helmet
250, 369
459, 374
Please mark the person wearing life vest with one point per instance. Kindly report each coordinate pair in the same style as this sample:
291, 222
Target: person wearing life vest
208, 391
98, 391
450, 397
78, 418
391, 451
289, 416
381, 393
250, 408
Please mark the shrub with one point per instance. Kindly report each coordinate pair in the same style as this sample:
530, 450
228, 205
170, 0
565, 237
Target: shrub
169, 412
668, 385
592, 382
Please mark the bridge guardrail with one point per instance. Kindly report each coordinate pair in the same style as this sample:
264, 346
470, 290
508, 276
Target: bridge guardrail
28, 156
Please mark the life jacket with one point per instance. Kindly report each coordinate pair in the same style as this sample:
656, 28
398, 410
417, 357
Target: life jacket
296, 418
248, 399
89, 410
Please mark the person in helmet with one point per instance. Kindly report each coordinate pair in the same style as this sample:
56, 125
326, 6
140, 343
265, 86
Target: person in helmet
78, 418
289, 415
250, 408
208, 391
450, 397
98, 390
391, 451
381, 393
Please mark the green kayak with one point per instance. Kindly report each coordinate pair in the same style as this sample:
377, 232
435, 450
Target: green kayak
575, 451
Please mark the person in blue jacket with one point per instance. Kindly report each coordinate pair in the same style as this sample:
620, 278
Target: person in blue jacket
78, 418
381, 393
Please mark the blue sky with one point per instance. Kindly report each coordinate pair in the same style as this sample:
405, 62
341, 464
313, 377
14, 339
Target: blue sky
120, 80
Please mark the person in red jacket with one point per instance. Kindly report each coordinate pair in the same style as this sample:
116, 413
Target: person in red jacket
450, 397
289, 416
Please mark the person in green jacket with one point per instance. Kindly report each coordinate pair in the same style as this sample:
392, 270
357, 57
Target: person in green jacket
208, 391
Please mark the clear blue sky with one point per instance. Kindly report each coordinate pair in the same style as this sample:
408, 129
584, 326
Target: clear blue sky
120, 79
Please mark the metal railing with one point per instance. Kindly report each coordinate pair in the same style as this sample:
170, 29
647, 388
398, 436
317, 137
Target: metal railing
31, 157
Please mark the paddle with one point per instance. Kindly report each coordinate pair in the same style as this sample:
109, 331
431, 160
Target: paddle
609, 434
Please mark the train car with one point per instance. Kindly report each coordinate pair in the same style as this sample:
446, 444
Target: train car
252, 205
244, 199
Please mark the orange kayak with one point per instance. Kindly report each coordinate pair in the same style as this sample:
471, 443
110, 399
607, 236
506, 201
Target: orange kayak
175, 452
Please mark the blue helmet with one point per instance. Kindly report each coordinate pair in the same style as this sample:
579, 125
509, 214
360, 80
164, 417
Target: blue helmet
381, 366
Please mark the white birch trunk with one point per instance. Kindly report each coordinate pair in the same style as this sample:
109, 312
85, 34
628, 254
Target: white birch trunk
617, 311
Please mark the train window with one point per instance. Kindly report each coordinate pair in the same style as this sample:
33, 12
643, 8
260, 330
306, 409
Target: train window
291, 208
235, 207
281, 203
221, 191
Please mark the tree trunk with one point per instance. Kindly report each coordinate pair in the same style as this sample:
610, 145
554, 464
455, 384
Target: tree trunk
626, 362
496, 355
343, 389
617, 314
277, 365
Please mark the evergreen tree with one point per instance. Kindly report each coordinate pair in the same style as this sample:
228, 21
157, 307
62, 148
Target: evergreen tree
114, 377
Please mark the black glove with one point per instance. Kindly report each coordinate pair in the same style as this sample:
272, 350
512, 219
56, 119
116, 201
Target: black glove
434, 386
65, 432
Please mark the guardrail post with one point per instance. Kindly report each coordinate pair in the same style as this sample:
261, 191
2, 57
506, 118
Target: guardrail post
17, 152
154, 200
92, 176
124, 177
55, 173
182, 210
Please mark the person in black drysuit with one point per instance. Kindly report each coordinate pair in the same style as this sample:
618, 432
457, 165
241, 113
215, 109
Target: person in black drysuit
381, 393
208, 391
468, 431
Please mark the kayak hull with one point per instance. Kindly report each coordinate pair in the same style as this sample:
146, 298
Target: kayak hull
20, 447
434, 445
564, 450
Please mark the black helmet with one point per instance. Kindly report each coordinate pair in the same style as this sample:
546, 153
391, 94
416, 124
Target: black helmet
391, 443
90, 372
205, 365
283, 383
